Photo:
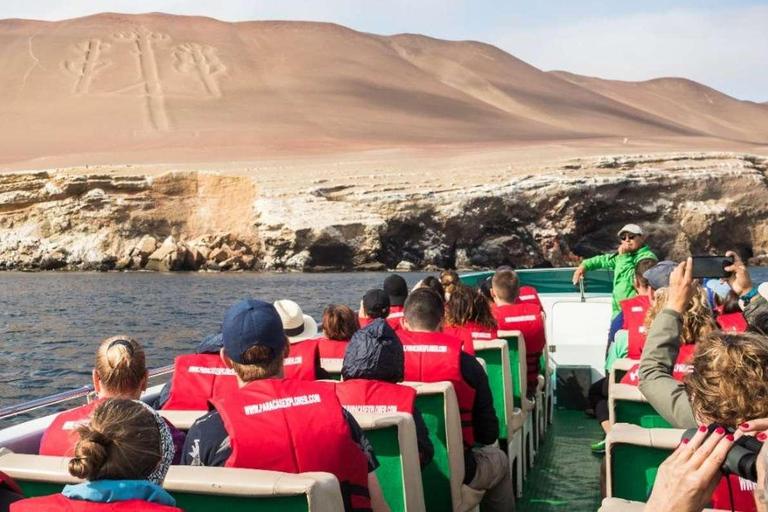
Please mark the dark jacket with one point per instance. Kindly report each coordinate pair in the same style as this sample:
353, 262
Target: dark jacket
376, 353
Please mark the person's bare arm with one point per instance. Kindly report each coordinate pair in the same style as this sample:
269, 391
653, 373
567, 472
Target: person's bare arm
378, 503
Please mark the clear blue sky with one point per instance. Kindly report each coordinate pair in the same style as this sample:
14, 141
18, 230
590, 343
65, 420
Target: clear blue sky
723, 44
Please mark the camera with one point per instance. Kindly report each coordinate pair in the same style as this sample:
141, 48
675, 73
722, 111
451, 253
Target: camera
742, 457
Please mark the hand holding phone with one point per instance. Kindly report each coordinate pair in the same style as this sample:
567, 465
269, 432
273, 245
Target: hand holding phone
711, 267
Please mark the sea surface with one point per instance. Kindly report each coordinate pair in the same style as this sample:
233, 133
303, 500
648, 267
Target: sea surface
51, 323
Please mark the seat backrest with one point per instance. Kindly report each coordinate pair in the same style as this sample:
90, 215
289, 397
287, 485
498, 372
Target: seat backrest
626, 404
332, 366
497, 360
633, 455
198, 488
620, 367
443, 477
517, 364
393, 437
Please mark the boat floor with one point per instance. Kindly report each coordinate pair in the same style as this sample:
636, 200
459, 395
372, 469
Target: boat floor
566, 475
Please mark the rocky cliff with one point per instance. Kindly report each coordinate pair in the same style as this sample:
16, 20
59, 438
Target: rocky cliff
108, 219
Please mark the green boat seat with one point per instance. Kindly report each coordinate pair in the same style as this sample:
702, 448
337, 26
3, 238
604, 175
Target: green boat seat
198, 488
393, 437
518, 367
626, 404
443, 477
619, 505
496, 356
633, 456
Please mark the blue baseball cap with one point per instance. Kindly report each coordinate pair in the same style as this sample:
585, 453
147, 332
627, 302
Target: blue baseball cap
658, 275
251, 322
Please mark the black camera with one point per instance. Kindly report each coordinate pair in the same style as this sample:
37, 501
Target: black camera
742, 457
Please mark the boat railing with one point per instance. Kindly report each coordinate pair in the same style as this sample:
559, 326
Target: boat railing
65, 396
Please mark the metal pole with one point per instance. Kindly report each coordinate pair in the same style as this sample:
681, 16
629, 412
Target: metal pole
581, 289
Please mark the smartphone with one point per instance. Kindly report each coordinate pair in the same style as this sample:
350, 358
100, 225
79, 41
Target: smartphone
711, 266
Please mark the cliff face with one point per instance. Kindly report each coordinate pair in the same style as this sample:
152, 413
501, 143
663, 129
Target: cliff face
79, 219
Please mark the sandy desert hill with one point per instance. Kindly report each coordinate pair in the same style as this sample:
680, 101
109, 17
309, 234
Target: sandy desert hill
114, 88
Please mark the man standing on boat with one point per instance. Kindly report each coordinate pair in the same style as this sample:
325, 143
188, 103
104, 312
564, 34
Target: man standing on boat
632, 249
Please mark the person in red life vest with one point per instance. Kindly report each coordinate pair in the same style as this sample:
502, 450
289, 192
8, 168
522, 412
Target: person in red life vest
469, 318
9, 492
123, 455
529, 295
484, 290
301, 330
633, 311
526, 318
375, 304
373, 365
433, 284
120, 372
728, 383
339, 324
449, 279
280, 424
397, 290
431, 356
697, 324
729, 315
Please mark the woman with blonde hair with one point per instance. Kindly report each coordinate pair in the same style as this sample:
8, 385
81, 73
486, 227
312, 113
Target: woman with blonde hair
727, 386
123, 454
697, 323
120, 371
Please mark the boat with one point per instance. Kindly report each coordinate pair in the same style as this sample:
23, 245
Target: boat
547, 438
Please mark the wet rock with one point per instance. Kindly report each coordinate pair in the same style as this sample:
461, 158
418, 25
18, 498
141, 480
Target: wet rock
405, 266
53, 261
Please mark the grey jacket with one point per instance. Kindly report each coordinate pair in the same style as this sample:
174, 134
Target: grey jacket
664, 393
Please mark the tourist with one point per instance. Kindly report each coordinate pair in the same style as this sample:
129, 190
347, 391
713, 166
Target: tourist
397, 290
728, 382
432, 356
729, 315
469, 317
633, 310
339, 324
526, 318
433, 284
304, 362
449, 279
375, 304
120, 372
632, 249
123, 455
373, 365
245, 429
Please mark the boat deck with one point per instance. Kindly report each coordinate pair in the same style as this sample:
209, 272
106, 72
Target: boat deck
566, 475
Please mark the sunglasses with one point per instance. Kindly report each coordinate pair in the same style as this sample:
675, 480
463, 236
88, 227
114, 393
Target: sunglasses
627, 237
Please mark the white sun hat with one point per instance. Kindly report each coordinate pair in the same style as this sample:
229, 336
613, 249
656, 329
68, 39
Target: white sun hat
632, 229
298, 326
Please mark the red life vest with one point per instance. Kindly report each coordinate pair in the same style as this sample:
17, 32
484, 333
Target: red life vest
60, 438
732, 322
301, 363
436, 357
394, 322
60, 503
469, 333
196, 379
10, 484
332, 349
743, 495
682, 366
375, 396
294, 426
634, 311
529, 295
527, 319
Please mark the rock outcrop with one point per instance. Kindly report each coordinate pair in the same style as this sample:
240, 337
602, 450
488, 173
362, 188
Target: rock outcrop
690, 203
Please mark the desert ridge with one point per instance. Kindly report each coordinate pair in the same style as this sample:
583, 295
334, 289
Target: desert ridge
157, 88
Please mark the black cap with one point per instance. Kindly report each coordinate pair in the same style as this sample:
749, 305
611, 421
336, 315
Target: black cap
397, 290
376, 303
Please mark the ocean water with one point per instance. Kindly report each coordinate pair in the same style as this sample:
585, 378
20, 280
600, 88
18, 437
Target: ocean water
51, 323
